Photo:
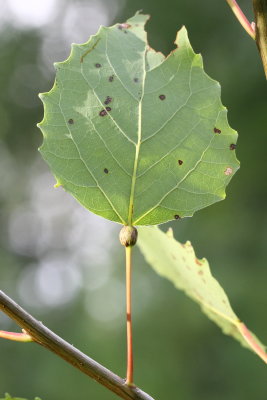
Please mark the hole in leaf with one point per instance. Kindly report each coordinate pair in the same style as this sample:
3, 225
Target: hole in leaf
176, 216
136, 80
97, 65
180, 162
106, 170
162, 96
108, 108
111, 78
216, 130
232, 146
70, 121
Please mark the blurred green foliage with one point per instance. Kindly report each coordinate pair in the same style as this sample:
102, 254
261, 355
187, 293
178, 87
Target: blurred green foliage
8, 397
67, 267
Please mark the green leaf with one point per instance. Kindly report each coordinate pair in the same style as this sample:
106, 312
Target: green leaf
8, 397
178, 263
136, 137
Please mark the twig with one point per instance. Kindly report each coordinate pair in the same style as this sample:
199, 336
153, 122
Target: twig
260, 11
241, 18
46, 338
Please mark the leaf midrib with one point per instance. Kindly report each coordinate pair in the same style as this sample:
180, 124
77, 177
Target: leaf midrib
138, 145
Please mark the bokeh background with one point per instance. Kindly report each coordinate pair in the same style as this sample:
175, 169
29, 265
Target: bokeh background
65, 265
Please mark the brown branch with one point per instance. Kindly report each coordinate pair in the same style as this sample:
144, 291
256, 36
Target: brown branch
260, 11
46, 338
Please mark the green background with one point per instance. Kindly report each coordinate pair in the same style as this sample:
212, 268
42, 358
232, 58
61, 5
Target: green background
66, 265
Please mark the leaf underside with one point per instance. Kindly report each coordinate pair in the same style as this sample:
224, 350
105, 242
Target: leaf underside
135, 137
178, 263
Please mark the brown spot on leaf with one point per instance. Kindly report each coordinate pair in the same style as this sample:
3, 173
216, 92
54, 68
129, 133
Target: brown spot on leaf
111, 78
216, 130
173, 257
136, 80
70, 121
228, 171
232, 146
103, 113
108, 108
200, 272
180, 162
162, 97
198, 262
97, 65
108, 100
106, 170
176, 216
124, 26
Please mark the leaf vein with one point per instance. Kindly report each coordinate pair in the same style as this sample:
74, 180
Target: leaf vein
86, 166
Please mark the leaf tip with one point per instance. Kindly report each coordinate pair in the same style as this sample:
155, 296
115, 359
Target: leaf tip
40, 125
182, 38
139, 18
198, 61
169, 233
57, 184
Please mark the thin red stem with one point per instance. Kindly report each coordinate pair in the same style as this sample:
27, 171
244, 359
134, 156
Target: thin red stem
18, 337
241, 18
129, 375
